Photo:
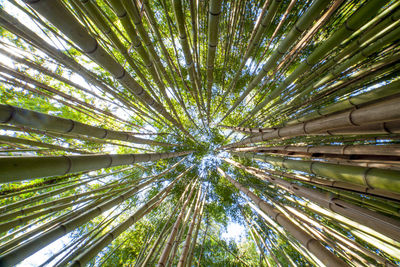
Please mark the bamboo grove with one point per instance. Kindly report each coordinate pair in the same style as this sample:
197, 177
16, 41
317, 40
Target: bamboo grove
138, 133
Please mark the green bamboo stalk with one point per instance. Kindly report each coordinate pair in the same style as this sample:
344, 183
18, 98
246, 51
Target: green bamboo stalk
159, 238
83, 239
382, 194
214, 13
248, 130
22, 168
182, 230
96, 16
362, 41
370, 75
340, 237
196, 234
180, 20
258, 244
40, 144
253, 234
54, 75
382, 150
29, 118
349, 225
51, 134
166, 227
6, 226
66, 200
50, 89
135, 16
370, 177
40, 185
16, 241
119, 9
335, 72
279, 231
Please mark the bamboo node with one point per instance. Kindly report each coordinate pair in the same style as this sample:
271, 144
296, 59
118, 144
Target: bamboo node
13, 110
69, 164
122, 75
278, 133
351, 103
311, 167
72, 126
365, 178
348, 27
96, 45
386, 129
330, 201
344, 148
308, 63
304, 128
111, 161
299, 30
276, 216
214, 14
309, 241
349, 118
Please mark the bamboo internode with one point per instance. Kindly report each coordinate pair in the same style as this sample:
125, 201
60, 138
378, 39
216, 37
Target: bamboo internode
370, 177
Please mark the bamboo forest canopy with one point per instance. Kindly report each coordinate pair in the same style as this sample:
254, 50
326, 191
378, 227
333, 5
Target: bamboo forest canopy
199, 133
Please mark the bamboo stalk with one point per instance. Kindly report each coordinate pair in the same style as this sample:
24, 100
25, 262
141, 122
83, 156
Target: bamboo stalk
340, 237
214, 13
248, 130
38, 197
370, 177
29, 118
34, 143
22, 168
194, 242
382, 150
